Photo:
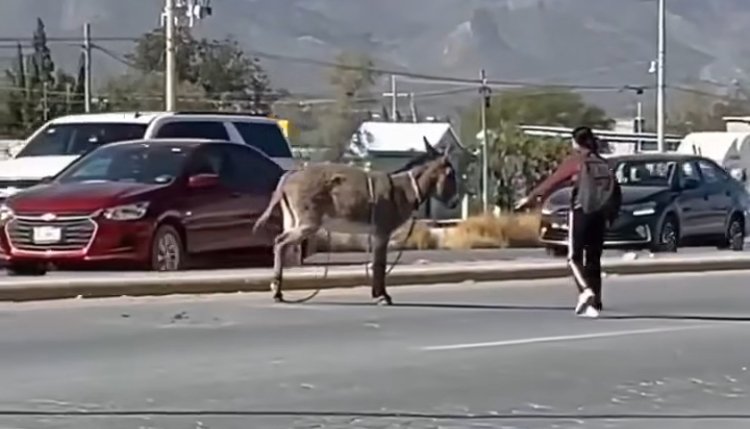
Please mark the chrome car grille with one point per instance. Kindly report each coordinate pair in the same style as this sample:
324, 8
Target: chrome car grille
75, 233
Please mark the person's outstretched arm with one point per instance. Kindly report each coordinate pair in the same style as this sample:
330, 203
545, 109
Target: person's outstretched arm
564, 173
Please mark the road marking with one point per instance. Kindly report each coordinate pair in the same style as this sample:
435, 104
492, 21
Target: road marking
523, 341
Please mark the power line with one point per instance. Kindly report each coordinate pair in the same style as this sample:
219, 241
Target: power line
312, 99
705, 93
70, 39
409, 75
430, 77
118, 58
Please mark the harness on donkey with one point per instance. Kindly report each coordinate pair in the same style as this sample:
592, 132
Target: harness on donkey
412, 221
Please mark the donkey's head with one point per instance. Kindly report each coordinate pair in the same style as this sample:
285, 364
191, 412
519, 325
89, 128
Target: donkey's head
440, 175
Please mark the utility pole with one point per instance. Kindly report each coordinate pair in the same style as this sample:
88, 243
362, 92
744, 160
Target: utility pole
485, 91
413, 108
68, 91
45, 101
174, 15
87, 67
394, 94
660, 92
171, 83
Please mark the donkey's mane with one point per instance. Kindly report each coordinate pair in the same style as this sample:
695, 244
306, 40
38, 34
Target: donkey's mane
414, 162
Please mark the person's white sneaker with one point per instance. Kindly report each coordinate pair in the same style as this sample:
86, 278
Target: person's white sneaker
585, 299
590, 312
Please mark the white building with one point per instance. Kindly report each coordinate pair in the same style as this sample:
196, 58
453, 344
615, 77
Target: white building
388, 146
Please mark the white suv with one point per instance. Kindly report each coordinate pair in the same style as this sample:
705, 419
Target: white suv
61, 141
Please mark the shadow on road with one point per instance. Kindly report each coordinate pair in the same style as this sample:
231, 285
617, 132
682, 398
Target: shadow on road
450, 306
500, 307
380, 415
679, 317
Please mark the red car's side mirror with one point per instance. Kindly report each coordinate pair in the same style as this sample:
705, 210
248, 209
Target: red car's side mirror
203, 181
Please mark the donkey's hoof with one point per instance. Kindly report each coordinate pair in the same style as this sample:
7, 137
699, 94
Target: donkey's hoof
278, 299
383, 300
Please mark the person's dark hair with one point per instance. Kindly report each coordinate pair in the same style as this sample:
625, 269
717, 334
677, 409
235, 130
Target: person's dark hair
585, 138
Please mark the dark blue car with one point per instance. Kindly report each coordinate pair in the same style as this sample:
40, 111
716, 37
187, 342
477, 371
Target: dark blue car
669, 200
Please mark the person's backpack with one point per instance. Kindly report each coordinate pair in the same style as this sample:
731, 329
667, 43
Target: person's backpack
598, 190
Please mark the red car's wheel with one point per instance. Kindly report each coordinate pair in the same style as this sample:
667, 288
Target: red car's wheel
168, 250
26, 269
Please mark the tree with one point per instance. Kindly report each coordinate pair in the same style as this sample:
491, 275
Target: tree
143, 92
148, 56
552, 107
41, 59
519, 162
352, 79
220, 67
39, 90
19, 102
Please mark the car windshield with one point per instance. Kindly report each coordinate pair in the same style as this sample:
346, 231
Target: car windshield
644, 172
78, 139
137, 163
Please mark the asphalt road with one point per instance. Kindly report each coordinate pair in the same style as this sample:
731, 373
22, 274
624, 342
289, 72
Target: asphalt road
671, 352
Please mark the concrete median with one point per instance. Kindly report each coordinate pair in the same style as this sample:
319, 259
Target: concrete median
310, 278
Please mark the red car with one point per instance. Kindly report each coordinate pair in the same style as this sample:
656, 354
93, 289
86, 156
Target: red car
151, 204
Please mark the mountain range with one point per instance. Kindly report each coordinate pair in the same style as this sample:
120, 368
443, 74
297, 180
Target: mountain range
591, 42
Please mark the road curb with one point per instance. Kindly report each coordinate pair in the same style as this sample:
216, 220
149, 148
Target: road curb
49, 288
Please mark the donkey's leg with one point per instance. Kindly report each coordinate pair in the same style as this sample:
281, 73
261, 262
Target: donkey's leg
278, 266
289, 238
380, 256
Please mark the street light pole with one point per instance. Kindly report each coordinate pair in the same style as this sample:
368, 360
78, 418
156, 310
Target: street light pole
660, 92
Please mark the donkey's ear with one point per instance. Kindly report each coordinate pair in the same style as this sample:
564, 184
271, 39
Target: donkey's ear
428, 147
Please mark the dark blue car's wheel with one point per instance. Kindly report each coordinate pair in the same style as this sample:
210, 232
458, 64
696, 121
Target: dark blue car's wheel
668, 237
736, 235
734, 239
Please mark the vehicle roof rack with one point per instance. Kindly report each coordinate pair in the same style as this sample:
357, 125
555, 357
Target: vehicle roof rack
223, 113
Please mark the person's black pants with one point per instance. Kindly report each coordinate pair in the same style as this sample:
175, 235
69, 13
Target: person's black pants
586, 232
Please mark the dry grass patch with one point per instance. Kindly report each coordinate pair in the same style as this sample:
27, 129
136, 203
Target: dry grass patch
421, 238
489, 231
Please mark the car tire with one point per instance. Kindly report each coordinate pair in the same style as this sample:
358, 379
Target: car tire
167, 250
556, 251
667, 239
735, 236
26, 269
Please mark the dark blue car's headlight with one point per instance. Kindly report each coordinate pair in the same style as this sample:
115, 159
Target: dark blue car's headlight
644, 209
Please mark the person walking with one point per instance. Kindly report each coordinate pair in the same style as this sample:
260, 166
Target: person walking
594, 204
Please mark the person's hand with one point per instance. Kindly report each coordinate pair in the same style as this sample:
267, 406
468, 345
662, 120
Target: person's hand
522, 203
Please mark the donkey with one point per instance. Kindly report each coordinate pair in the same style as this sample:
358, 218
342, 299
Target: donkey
346, 199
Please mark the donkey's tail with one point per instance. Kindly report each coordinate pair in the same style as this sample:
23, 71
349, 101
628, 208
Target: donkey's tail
277, 196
